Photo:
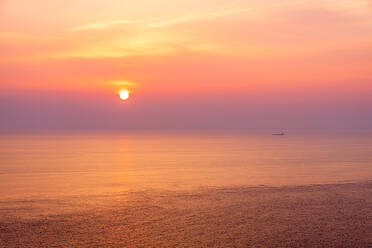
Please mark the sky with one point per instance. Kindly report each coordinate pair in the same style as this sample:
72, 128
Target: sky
188, 64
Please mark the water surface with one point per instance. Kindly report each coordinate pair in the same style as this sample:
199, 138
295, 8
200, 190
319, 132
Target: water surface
63, 163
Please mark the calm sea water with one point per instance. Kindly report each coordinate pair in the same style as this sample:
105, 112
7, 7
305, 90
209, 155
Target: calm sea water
75, 163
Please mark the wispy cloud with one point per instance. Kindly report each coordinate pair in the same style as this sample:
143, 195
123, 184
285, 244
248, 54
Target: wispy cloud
191, 17
108, 24
162, 22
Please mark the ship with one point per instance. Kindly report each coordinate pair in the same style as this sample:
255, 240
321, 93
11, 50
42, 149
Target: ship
278, 134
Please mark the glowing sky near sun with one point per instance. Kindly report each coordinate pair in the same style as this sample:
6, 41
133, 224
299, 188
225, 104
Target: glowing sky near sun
251, 53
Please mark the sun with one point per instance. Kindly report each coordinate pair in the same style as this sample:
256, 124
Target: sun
124, 94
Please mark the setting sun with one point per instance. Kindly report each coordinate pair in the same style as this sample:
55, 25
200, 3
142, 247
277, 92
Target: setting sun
124, 94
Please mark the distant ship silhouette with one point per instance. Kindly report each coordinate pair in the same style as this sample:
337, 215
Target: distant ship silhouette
278, 134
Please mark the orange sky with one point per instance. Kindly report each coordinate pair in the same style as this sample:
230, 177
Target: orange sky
182, 48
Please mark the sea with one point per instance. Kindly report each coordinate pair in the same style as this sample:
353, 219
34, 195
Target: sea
73, 162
